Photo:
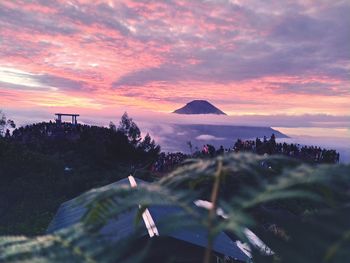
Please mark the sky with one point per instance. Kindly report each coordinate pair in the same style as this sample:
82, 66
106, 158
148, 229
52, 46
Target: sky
248, 57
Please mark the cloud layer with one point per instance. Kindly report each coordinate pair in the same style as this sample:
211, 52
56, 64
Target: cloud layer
247, 57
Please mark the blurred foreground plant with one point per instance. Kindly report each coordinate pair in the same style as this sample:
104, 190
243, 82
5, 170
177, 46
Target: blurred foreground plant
300, 212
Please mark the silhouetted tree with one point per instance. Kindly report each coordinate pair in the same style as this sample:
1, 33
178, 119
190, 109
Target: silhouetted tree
112, 126
130, 129
5, 123
189, 143
148, 145
272, 144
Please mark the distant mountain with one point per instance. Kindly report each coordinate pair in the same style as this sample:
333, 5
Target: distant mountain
199, 107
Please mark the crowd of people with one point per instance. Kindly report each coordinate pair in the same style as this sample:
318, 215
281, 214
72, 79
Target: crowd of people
312, 154
270, 146
167, 162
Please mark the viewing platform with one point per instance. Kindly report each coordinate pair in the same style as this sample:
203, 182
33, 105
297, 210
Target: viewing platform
73, 116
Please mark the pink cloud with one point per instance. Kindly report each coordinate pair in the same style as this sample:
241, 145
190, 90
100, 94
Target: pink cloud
247, 57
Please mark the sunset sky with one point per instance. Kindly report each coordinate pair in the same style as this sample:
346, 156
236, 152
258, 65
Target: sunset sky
246, 57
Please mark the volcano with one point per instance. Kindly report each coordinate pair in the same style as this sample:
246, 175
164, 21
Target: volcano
199, 107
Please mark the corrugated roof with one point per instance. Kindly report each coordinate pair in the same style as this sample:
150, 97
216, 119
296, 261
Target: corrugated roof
222, 244
72, 211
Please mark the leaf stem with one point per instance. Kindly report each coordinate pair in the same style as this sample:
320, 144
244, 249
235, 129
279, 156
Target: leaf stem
212, 212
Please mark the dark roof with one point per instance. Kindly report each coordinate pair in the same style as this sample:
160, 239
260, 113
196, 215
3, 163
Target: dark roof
223, 244
72, 211
66, 114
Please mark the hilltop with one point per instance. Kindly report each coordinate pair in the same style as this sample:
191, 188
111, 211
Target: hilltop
47, 163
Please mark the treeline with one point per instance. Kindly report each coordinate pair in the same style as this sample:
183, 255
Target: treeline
45, 164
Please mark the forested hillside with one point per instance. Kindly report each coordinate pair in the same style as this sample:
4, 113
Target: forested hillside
45, 164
